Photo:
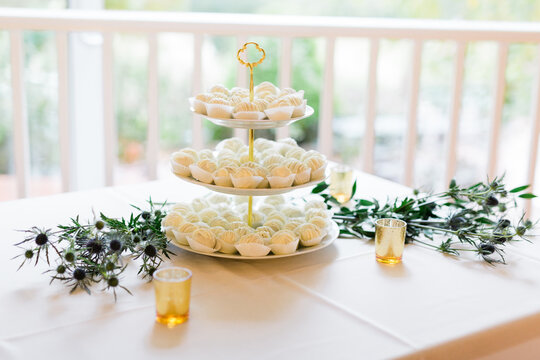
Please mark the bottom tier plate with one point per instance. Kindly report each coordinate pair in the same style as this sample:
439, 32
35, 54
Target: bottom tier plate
333, 234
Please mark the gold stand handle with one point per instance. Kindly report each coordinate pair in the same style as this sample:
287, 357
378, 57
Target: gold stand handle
250, 65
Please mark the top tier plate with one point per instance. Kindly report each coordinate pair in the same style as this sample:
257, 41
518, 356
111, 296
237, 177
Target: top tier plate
255, 124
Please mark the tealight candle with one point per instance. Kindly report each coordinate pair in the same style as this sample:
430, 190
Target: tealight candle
172, 287
389, 240
341, 182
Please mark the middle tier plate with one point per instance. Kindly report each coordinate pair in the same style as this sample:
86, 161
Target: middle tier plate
255, 124
249, 192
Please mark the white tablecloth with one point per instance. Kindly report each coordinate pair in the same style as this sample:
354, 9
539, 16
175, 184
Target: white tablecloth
337, 303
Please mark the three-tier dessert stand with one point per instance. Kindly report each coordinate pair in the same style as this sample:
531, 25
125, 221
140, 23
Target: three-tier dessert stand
251, 126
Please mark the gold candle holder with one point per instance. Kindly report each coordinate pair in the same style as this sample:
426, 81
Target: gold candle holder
389, 240
341, 182
172, 287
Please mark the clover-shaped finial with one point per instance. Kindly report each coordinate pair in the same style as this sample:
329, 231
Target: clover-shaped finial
246, 63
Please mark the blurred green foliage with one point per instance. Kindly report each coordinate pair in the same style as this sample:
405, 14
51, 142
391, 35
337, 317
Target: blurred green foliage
307, 68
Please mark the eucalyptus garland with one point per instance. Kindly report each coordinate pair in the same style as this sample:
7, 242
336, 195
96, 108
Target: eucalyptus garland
473, 218
82, 255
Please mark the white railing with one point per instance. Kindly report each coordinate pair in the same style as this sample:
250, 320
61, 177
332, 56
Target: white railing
284, 27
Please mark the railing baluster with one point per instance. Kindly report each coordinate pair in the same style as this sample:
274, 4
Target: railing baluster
535, 132
455, 112
498, 103
197, 133
109, 121
152, 149
20, 121
371, 106
285, 68
241, 81
410, 141
327, 103
63, 109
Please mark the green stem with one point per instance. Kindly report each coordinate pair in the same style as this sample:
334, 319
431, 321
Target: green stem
433, 228
425, 243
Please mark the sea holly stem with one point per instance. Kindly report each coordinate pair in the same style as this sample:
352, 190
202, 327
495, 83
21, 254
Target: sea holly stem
92, 253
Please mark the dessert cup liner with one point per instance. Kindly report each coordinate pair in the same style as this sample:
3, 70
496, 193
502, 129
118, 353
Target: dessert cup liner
180, 169
169, 234
302, 177
180, 237
223, 181
226, 248
249, 115
241, 231
249, 182
299, 110
281, 182
228, 162
252, 249
200, 174
219, 111
181, 208
284, 249
314, 241
290, 227
200, 247
263, 184
280, 113
327, 215
198, 105
266, 239
319, 173
326, 226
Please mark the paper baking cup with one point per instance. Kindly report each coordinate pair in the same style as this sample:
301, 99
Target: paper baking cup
324, 226
284, 249
200, 174
223, 181
198, 106
226, 247
180, 169
219, 111
263, 184
250, 182
200, 247
179, 237
299, 110
277, 182
302, 177
279, 113
319, 173
249, 115
252, 249
169, 234
313, 242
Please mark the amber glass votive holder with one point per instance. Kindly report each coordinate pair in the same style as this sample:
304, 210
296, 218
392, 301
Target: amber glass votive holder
341, 182
389, 240
172, 287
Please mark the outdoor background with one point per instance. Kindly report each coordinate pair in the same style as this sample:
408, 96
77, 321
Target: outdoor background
219, 66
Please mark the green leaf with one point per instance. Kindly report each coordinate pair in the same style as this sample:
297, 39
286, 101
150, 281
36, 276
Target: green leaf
527, 196
519, 188
484, 220
365, 202
320, 187
345, 232
353, 189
